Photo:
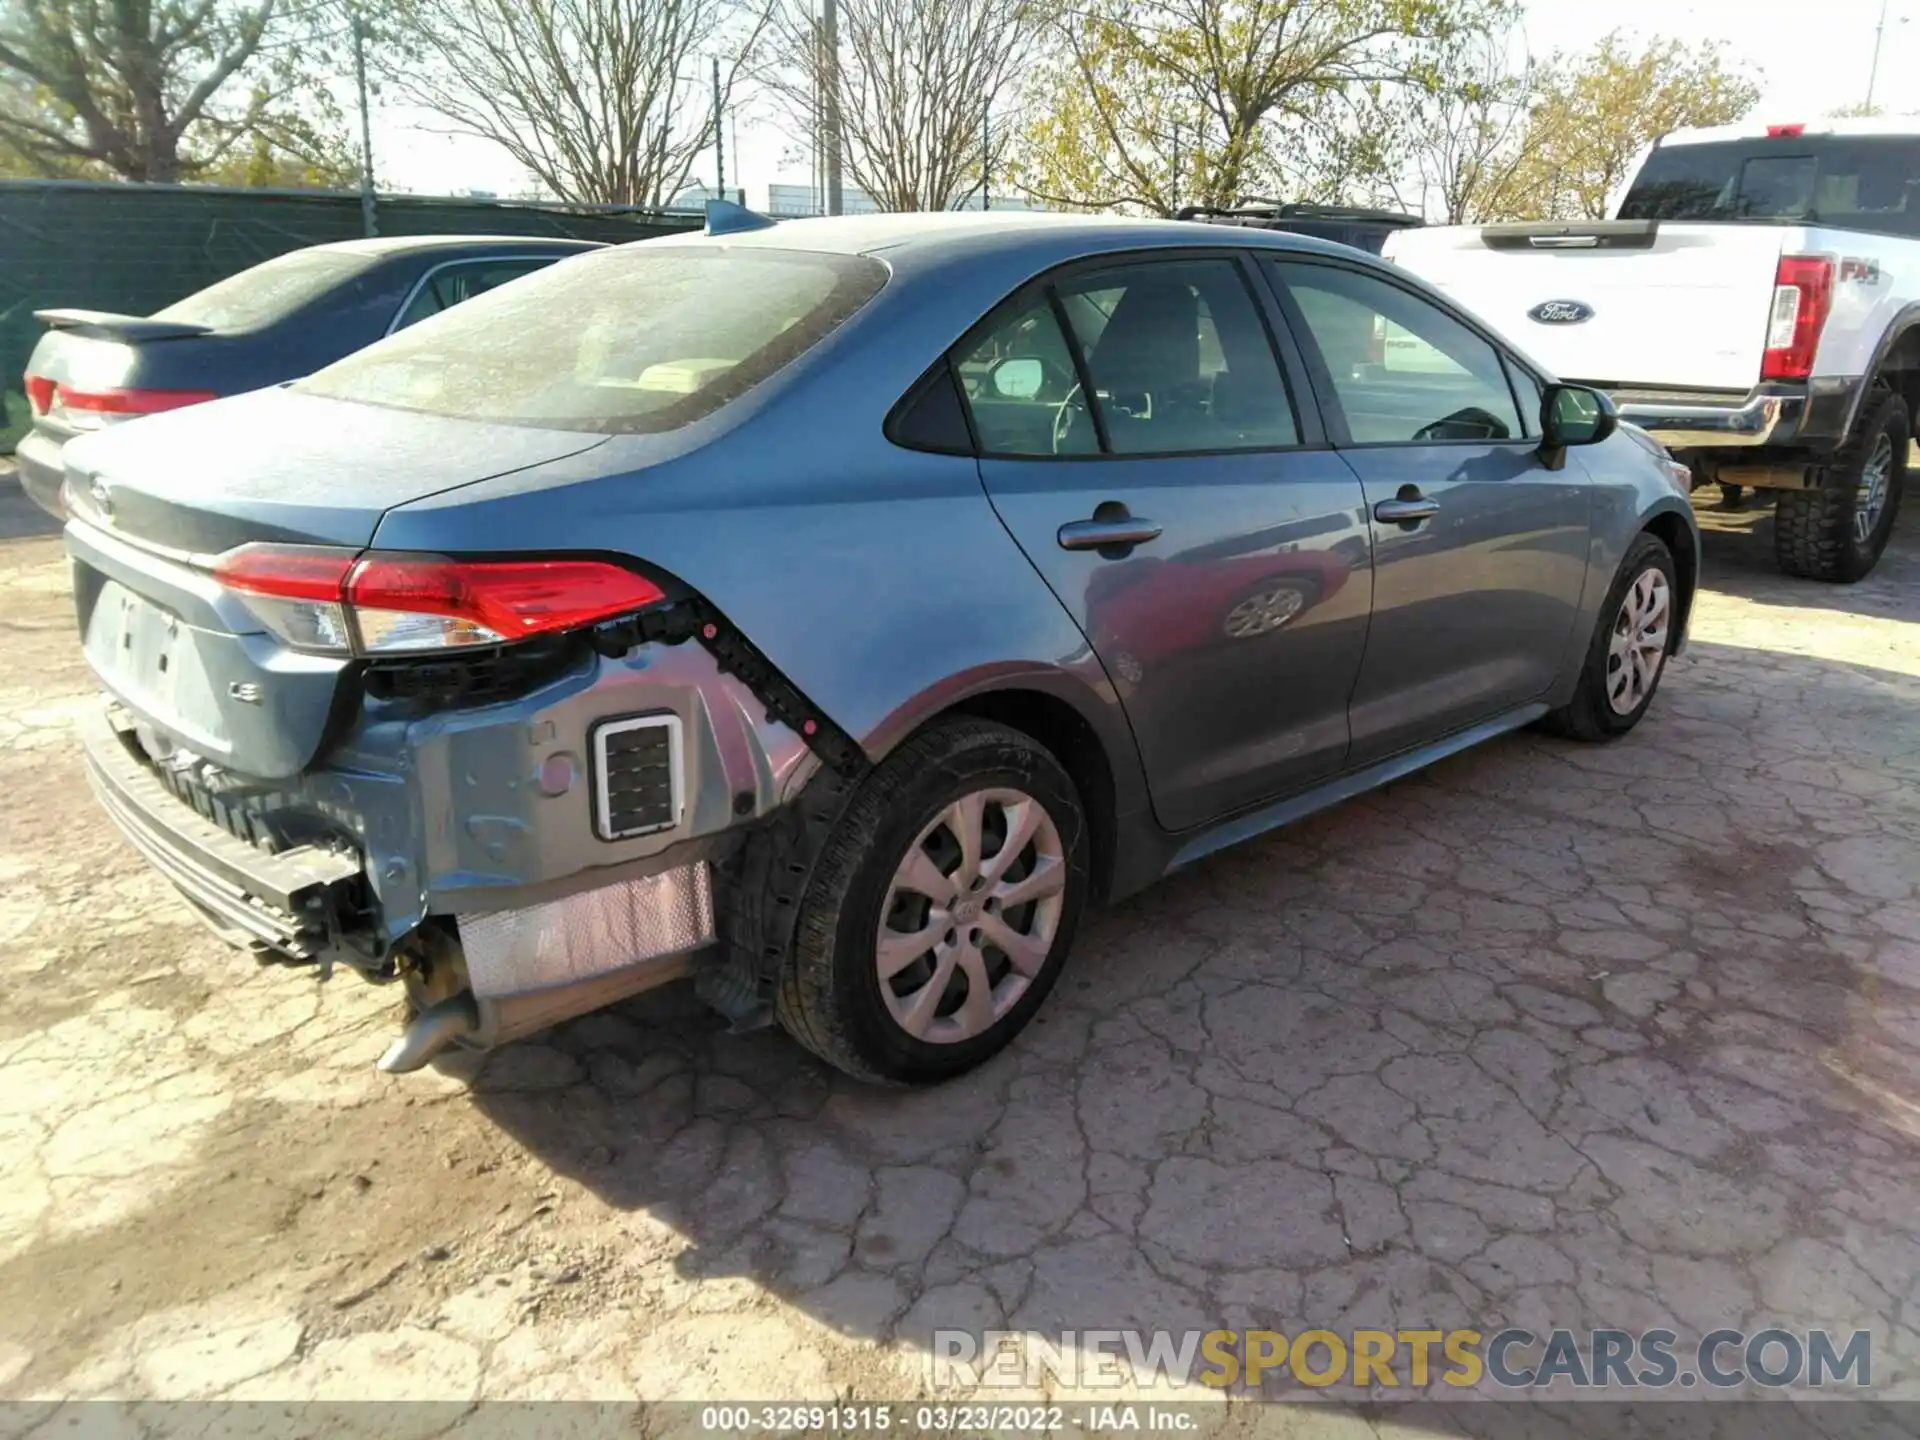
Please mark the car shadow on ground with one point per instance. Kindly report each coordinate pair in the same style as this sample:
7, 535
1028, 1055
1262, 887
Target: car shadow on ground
1548, 1034
20, 518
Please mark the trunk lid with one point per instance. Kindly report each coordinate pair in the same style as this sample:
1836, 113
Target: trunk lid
1623, 303
153, 501
281, 465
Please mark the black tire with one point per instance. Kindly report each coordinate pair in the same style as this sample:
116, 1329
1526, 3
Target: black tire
828, 993
1589, 715
1813, 530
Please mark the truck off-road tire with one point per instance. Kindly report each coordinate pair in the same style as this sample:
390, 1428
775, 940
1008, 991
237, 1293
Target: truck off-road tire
1837, 531
939, 910
1628, 653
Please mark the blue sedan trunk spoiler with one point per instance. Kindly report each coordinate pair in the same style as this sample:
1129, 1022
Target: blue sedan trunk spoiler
105, 325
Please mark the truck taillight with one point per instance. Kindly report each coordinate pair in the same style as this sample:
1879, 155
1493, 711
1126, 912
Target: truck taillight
1802, 295
342, 602
91, 409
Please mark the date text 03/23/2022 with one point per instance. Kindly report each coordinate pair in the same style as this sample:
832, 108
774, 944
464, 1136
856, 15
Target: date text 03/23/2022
933, 1418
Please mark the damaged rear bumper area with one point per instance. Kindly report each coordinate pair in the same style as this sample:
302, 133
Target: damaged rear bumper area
297, 903
513, 864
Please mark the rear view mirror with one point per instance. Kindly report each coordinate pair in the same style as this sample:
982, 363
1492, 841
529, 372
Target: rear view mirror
1576, 415
1018, 379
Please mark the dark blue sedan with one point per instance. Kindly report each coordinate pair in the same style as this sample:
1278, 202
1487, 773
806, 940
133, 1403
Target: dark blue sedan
274, 322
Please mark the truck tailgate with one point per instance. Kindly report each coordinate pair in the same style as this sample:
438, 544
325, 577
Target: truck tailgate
1681, 306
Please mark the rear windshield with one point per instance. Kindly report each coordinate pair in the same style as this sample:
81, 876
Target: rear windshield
268, 292
640, 339
1847, 182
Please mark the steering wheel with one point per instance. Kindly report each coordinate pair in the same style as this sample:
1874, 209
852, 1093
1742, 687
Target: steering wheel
1065, 414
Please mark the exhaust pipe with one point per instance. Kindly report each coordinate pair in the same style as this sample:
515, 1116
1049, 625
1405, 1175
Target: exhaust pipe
432, 1031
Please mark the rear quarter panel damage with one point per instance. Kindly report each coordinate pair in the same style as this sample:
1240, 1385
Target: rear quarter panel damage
877, 579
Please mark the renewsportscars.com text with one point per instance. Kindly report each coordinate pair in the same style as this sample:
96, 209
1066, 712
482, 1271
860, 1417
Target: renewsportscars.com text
1509, 1359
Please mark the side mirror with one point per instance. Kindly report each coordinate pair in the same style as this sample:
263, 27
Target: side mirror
1576, 415
1018, 379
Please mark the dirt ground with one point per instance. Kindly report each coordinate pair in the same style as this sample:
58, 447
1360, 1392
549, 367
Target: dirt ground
1549, 1035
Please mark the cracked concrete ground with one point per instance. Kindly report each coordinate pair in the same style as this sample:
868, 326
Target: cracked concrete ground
1549, 1035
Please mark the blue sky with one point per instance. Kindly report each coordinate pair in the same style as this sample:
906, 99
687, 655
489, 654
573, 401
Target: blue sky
1813, 58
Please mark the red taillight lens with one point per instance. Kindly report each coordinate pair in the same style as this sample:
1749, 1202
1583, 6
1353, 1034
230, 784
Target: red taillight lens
90, 409
39, 393
415, 602
1785, 132
287, 572
1802, 295
328, 599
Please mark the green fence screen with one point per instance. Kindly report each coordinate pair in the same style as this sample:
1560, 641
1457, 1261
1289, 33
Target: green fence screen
135, 248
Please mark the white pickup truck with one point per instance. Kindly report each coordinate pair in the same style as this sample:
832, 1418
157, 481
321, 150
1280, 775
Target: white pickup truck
1754, 303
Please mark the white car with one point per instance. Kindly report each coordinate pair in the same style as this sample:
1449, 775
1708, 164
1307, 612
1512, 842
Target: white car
1754, 303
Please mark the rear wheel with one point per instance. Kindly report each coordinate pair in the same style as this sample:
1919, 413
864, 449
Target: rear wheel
1837, 531
941, 908
1628, 652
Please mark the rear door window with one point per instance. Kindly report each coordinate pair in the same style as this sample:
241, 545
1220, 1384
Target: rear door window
1178, 356
448, 285
636, 339
1181, 362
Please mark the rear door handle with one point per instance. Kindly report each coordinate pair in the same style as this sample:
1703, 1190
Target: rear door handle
1405, 512
1098, 534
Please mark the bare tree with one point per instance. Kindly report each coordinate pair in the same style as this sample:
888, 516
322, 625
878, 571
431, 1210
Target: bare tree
125, 86
604, 101
1469, 136
923, 91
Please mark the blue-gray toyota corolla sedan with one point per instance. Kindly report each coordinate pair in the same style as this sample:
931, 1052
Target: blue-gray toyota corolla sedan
830, 611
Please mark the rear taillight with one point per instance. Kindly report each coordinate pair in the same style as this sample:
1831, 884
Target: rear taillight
39, 394
1802, 295
297, 591
91, 409
320, 598
1785, 132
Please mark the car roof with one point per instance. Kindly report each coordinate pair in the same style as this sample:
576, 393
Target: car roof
389, 245
1849, 127
935, 237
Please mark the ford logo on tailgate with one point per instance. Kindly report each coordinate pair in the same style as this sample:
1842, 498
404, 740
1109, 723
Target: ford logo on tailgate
1561, 312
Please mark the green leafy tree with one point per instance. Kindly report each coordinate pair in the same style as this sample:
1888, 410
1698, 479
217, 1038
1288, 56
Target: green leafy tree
1593, 114
1152, 104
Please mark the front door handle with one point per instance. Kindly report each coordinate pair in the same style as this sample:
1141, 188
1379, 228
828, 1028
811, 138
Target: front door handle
1405, 512
1098, 534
